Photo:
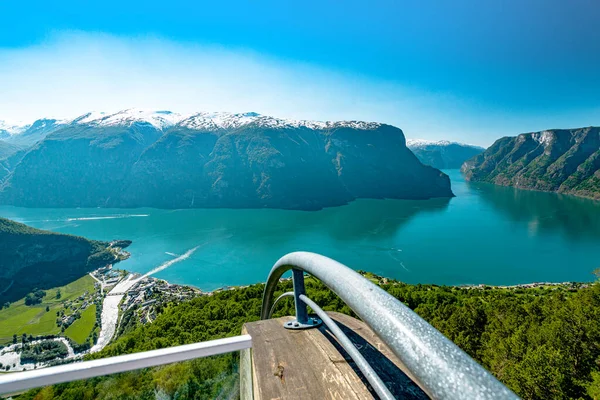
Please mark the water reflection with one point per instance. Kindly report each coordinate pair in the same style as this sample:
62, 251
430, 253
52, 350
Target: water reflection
573, 217
361, 219
369, 219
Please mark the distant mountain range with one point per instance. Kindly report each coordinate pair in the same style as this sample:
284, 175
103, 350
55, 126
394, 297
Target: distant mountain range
443, 154
137, 158
560, 160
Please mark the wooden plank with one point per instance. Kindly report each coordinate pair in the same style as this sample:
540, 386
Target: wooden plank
385, 363
297, 374
310, 364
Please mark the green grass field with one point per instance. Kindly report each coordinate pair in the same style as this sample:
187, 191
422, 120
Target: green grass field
80, 329
35, 320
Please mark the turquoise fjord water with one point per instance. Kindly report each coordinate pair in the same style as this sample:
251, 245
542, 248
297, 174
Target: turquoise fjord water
486, 234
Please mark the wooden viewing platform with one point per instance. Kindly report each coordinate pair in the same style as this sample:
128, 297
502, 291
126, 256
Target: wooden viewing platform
311, 364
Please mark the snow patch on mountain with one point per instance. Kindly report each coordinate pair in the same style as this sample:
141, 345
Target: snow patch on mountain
158, 119
12, 128
210, 121
224, 120
418, 143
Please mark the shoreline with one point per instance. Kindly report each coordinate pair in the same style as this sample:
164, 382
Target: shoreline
384, 280
525, 285
139, 296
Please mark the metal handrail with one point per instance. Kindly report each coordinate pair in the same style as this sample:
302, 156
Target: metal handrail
19, 381
281, 296
382, 391
434, 363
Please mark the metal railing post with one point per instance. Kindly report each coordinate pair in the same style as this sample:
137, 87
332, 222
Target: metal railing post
302, 321
299, 289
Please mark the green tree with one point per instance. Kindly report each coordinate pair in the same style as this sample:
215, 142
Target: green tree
593, 389
542, 342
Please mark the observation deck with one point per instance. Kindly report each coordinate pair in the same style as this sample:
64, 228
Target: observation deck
387, 352
312, 363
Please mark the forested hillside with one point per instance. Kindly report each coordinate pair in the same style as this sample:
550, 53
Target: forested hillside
32, 258
544, 343
559, 160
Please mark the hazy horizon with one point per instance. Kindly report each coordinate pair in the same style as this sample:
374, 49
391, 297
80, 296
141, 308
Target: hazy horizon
485, 71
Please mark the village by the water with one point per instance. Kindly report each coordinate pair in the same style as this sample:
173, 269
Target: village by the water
118, 299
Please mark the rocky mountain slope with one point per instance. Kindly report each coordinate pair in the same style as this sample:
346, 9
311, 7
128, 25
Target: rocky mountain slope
161, 159
10, 155
7, 149
32, 258
560, 160
443, 154
29, 134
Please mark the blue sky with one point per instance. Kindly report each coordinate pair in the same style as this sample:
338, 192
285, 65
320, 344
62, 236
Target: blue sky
471, 71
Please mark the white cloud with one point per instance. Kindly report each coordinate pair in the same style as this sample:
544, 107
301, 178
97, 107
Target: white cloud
73, 73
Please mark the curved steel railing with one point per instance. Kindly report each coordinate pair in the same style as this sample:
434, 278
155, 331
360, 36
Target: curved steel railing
432, 361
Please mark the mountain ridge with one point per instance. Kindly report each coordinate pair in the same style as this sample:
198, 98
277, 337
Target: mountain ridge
442, 142
442, 154
137, 158
198, 120
559, 160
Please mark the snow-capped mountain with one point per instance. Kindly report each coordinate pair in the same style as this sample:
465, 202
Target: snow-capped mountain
442, 153
226, 120
8, 129
28, 134
138, 158
414, 143
158, 119
210, 121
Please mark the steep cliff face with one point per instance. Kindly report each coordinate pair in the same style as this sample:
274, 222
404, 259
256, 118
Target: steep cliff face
219, 160
561, 160
280, 167
79, 165
32, 258
443, 154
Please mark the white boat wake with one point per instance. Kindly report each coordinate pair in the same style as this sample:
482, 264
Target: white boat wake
167, 264
108, 217
391, 254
